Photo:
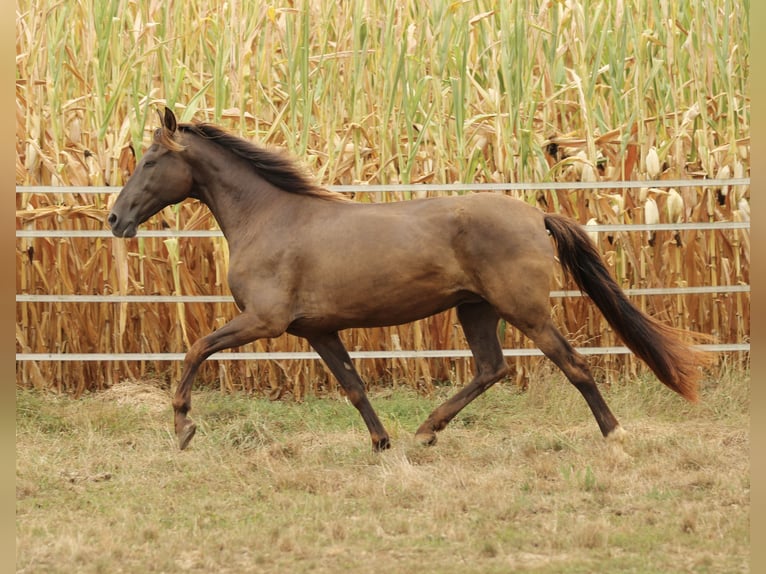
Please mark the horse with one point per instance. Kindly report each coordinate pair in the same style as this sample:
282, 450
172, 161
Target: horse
311, 262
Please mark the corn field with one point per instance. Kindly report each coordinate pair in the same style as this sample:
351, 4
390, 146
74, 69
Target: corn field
369, 92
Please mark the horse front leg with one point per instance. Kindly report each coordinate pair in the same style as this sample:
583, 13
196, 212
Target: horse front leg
243, 329
334, 354
184, 426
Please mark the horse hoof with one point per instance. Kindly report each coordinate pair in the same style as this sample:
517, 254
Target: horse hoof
186, 434
426, 439
381, 444
618, 434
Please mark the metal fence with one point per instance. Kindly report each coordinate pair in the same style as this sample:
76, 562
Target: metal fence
389, 354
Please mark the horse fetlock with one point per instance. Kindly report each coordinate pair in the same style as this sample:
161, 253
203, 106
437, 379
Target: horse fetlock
181, 406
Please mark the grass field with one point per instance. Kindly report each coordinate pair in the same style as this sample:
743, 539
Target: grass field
520, 481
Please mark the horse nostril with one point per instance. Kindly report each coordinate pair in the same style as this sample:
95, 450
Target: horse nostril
111, 219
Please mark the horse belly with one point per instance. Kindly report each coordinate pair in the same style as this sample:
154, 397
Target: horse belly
379, 300
364, 317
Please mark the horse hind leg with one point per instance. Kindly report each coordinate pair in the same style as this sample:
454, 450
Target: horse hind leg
479, 321
554, 346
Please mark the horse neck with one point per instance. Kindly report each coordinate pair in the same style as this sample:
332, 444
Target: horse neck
236, 195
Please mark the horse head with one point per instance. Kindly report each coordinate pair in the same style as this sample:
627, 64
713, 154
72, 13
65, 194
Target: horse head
161, 178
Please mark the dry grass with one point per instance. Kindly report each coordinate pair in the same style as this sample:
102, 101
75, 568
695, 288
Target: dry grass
519, 482
379, 93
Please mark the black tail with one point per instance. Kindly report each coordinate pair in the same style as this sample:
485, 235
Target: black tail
675, 362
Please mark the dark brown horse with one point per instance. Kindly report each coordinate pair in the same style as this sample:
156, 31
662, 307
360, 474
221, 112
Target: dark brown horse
306, 261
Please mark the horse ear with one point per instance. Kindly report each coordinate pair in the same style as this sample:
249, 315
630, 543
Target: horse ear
169, 121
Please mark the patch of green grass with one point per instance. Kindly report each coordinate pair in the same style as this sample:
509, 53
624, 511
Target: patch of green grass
39, 413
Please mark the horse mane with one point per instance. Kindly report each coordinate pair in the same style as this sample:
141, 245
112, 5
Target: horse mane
274, 166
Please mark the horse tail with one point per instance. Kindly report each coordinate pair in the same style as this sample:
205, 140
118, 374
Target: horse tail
662, 347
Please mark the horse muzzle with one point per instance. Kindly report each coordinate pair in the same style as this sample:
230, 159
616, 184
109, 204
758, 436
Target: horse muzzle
120, 227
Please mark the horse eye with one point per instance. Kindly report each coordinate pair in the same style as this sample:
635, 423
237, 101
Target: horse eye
150, 163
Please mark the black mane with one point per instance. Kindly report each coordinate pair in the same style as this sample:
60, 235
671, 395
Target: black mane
274, 166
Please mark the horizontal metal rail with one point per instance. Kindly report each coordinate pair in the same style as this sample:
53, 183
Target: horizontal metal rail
405, 187
94, 298
309, 355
